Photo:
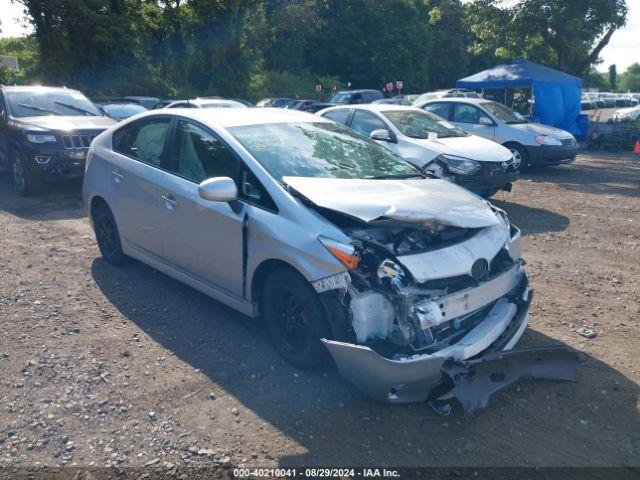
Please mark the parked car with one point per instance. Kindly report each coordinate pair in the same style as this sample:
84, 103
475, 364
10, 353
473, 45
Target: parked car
45, 134
206, 103
587, 105
339, 244
429, 143
391, 101
350, 97
162, 104
281, 102
146, 102
119, 109
627, 114
303, 105
532, 144
452, 92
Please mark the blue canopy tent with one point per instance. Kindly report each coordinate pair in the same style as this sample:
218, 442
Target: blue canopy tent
556, 95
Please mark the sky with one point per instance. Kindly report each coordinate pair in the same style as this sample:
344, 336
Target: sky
623, 49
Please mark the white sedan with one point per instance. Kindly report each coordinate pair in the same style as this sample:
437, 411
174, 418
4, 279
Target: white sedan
431, 143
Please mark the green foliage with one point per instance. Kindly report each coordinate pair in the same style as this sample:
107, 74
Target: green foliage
568, 35
256, 48
26, 50
630, 79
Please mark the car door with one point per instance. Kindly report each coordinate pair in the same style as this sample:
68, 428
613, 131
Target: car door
135, 169
467, 117
201, 238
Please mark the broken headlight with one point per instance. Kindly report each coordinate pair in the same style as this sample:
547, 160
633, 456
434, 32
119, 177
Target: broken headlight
391, 270
460, 165
344, 252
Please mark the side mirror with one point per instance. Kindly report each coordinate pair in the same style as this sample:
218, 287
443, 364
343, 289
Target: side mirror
382, 135
219, 189
485, 121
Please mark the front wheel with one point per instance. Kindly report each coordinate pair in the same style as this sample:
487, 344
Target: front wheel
295, 319
26, 182
520, 155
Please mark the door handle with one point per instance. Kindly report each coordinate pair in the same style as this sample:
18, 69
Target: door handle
117, 176
169, 202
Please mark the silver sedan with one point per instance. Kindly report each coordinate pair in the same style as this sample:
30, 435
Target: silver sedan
341, 245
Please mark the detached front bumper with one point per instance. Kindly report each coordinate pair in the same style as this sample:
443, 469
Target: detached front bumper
411, 379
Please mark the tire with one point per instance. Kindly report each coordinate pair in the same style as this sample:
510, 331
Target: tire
25, 181
107, 235
295, 319
519, 152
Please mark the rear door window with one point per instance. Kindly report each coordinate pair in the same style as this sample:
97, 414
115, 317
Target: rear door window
143, 140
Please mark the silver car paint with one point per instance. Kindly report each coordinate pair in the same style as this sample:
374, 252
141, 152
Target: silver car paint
428, 202
290, 236
524, 133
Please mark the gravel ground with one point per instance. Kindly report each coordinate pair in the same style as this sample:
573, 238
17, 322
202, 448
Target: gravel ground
126, 367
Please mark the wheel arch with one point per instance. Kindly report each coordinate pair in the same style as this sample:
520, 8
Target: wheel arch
261, 273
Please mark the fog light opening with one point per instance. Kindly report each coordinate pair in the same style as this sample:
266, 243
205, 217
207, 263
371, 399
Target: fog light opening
42, 159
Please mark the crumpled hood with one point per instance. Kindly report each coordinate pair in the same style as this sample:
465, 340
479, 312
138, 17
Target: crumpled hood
540, 129
471, 146
430, 202
67, 123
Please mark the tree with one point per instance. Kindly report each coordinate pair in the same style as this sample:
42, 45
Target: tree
613, 77
630, 79
568, 35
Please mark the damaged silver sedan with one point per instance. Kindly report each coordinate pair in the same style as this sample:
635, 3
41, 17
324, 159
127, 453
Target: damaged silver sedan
414, 285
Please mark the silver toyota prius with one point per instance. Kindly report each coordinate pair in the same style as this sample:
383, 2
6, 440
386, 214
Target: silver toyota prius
339, 244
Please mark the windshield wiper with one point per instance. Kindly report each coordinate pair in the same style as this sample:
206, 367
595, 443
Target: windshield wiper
73, 107
398, 175
39, 109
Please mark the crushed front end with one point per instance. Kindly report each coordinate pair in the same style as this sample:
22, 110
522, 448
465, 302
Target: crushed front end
424, 299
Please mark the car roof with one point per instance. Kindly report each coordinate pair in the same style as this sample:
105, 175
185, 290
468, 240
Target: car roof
29, 88
375, 107
359, 91
235, 117
475, 101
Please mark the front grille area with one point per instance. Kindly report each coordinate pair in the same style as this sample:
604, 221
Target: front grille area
77, 141
569, 141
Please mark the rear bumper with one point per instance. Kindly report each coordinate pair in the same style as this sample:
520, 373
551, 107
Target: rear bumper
411, 379
552, 155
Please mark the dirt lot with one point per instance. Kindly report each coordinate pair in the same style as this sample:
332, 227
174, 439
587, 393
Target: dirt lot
125, 366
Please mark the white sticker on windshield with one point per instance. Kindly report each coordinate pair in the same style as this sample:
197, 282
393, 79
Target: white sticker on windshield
446, 124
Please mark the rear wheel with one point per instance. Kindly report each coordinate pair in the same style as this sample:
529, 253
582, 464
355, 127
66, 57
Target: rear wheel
107, 235
295, 319
520, 155
26, 182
